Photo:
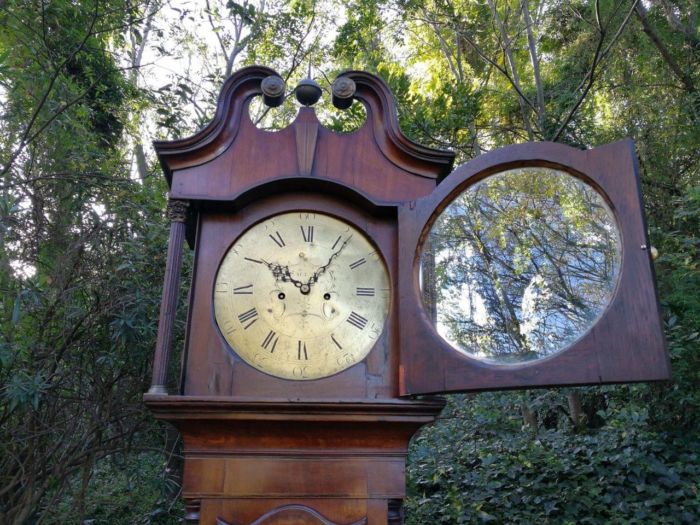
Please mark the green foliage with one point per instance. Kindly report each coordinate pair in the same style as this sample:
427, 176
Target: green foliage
678, 271
81, 254
135, 489
478, 465
82, 240
359, 39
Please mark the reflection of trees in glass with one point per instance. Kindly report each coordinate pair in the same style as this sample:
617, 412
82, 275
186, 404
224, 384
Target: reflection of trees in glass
519, 265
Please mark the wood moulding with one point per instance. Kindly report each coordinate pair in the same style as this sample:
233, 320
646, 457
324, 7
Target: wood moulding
174, 408
224, 158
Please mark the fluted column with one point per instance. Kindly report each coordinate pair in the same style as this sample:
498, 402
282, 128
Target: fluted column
177, 213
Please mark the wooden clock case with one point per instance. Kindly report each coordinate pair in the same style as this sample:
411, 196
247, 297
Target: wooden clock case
259, 449
263, 450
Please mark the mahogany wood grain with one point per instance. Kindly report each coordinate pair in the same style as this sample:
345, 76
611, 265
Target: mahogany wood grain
338, 511
306, 128
294, 514
332, 447
344, 459
231, 154
626, 344
260, 449
258, 156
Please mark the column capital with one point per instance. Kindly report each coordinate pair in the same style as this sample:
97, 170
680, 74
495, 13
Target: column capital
177, 210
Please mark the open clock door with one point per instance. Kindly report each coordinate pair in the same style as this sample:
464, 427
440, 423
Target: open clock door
532, 268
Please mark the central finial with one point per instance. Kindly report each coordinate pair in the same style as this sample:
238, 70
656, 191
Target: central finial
308, 92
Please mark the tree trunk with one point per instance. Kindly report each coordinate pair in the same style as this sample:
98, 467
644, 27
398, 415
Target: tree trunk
575, 413
529, 417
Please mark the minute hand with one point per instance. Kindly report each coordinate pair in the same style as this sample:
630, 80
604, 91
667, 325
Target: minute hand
318, 273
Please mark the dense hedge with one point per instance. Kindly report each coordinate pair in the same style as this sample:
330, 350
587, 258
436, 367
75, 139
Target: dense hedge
479, 465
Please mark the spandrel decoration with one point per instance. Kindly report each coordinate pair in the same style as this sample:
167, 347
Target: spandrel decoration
520, 265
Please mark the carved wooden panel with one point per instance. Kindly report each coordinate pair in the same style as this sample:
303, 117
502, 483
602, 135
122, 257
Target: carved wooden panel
293, 515
231, 155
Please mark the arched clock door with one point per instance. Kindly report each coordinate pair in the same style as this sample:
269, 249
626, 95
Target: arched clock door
531, 267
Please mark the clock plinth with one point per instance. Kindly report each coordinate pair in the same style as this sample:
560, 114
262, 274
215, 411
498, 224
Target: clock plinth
264, 462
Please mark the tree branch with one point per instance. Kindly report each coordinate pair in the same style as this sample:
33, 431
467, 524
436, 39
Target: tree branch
685, 78
507, 50
599, 55
532, 46
26, 138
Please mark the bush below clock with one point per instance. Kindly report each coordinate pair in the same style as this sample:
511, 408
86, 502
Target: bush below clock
479, 464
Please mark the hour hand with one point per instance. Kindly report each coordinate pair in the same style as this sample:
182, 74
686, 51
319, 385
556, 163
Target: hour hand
287, 277
276, 269
279, 272
282, 274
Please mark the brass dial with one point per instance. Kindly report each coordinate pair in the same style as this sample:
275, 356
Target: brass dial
302, 296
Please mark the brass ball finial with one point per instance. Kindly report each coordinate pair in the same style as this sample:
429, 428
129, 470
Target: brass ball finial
343, 89
273, 90
308, 92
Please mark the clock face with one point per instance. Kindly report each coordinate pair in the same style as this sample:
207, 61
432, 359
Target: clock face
302, 296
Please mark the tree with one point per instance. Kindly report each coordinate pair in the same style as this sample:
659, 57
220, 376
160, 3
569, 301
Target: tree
524, 263
75, 316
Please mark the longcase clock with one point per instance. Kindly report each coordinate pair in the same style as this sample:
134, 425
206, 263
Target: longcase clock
337, 276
